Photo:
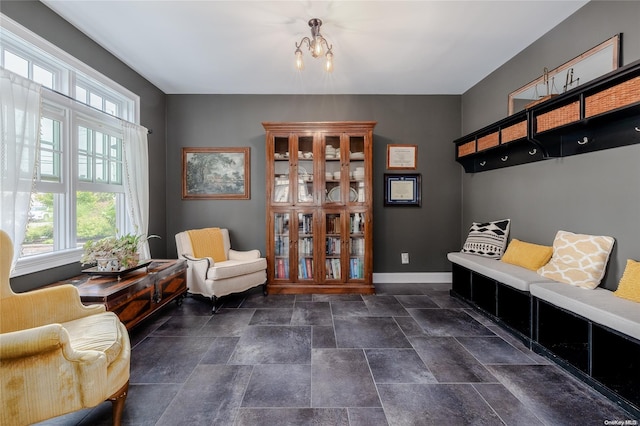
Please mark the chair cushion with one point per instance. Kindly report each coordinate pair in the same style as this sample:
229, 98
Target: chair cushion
98, 332
235, 268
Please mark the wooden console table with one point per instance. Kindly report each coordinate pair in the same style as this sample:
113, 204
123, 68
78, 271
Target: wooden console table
138, 294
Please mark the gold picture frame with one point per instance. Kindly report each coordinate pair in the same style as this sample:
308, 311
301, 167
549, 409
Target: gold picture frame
216, 174
402, 157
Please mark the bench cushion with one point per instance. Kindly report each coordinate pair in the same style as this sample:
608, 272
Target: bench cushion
511, 275
598, 305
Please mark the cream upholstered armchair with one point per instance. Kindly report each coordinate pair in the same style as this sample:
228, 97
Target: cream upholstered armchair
221, 270
57, 355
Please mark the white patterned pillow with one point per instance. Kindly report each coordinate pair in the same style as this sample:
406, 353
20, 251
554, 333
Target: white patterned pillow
487, 239
578, 259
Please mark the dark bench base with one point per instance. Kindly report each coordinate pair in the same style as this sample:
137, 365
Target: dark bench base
509, 307
601, 357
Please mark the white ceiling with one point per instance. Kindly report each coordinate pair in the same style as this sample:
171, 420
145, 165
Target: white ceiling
380, 47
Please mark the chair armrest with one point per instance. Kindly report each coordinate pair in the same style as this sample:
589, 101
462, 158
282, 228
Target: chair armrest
45, 306
35, 341
244, 255
46, 363
200, 265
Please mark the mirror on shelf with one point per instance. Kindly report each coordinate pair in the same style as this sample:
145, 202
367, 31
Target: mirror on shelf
593, 63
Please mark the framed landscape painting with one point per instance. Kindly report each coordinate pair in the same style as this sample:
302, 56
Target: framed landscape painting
215, 173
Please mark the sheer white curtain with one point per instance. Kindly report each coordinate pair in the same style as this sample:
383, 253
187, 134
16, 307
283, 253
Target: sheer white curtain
19, 144
136, 180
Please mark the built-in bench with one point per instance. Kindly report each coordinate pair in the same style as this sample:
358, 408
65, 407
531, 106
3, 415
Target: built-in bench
593, 334
499, 289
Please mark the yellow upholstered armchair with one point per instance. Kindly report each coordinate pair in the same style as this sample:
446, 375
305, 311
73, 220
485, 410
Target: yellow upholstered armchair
215, 269
57, 355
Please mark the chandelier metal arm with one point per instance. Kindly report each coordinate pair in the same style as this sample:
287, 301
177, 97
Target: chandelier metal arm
304, 39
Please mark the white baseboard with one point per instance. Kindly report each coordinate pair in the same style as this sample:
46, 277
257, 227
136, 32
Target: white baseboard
412, 277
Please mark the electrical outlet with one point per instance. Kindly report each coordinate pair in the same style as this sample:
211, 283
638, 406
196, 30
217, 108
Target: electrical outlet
405, 258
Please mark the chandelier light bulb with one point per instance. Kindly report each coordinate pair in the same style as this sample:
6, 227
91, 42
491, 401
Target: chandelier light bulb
299, 62
317, 47
329, 64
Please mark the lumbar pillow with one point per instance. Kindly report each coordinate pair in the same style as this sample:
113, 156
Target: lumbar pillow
578, 259
629, 285
488, 238
527, 255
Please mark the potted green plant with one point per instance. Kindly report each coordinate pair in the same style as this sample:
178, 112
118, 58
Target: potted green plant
112, 254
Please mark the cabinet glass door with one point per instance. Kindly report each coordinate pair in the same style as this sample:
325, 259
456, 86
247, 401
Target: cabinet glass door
281, 170
281, 241
332, 169
357, 170
305, 169
357, 245
305, 246
333, 246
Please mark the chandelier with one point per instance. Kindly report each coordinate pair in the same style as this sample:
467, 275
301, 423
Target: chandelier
317, 45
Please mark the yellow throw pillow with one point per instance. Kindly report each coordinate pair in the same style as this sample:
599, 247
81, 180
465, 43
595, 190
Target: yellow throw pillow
578, 259
629, 285
527, 255
208, 242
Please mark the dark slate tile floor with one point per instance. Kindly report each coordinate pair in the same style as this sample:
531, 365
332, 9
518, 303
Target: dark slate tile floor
410, 355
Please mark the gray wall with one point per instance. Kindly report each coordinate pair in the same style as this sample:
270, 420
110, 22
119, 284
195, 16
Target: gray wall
431, 122
44, 22
595, 193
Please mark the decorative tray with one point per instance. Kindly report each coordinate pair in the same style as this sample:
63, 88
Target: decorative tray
94, 270
334, 195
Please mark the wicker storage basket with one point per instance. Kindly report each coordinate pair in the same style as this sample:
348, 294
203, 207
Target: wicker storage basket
466, 148
514, 132
558, 117
620, 95
488, 141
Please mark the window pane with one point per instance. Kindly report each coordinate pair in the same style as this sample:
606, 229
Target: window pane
81, 94
110, 108
17, 64
95, 101
85, 165
96, 215
39, 236
50, 152
43, 76
115, 154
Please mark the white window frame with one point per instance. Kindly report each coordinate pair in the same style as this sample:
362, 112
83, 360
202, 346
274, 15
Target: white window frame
69, 71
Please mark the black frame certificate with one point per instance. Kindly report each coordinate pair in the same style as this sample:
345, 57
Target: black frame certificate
402, 189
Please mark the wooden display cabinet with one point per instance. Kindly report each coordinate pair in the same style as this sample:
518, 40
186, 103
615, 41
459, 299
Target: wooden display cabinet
319, 207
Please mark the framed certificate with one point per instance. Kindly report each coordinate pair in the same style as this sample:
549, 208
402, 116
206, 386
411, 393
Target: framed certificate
402, 189
402, 157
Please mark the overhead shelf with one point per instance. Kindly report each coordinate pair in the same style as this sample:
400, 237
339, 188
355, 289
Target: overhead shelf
601, 114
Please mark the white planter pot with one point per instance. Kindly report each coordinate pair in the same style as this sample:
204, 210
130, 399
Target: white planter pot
108, 265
